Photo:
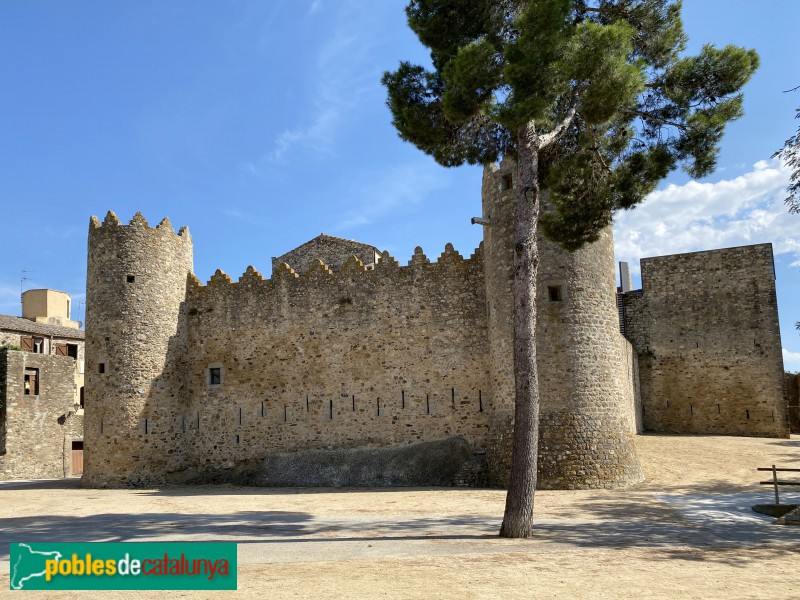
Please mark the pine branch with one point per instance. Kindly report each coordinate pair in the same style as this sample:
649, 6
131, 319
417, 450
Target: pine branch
560, 129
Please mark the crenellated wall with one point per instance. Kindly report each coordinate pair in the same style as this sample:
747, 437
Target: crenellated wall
135, 343
192, 382
359, 358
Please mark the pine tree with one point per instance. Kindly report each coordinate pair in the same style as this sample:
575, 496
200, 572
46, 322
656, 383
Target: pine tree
790, 155
595, 102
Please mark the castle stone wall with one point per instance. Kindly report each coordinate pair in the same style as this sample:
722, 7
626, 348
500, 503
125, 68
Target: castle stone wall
705, 327
135, 328
793, 401
387, 357
497, 195
586, 371
586, 378
38, 429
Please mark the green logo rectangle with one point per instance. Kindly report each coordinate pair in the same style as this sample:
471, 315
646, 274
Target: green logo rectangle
123, 566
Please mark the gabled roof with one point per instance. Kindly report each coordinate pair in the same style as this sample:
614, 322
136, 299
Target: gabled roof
325, 236
20, 325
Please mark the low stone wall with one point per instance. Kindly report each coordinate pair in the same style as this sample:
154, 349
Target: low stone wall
431, 463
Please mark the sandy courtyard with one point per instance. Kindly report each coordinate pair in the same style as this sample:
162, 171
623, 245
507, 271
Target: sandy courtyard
686, 532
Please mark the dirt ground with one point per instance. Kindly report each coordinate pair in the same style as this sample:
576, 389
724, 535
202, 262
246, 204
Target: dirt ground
686, 532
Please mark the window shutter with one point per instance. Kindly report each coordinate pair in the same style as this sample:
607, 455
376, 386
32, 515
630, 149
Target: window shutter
61, 349
27, 343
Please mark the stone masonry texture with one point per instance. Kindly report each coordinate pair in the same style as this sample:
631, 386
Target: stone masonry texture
793, 401
216, 382
37, 429
705, 327
331, 250
587, 419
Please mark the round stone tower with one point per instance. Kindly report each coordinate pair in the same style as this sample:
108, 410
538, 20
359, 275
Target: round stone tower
587, 419
135, 334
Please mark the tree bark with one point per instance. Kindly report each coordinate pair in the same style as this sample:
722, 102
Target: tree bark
518, 517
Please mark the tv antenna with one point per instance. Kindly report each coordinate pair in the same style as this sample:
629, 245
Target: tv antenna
23, 277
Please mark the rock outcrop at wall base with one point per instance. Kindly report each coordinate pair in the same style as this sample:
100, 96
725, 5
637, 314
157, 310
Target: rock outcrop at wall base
430, 463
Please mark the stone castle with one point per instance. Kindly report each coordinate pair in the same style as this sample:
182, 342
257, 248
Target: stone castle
354, 355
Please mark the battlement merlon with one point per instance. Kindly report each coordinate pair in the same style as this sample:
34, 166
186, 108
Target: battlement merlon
138, 223
350, 268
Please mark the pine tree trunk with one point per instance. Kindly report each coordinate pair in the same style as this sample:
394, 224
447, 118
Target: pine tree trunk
518, 517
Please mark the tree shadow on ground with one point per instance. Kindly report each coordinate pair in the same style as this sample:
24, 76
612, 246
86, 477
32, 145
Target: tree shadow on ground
706, 524
240, 527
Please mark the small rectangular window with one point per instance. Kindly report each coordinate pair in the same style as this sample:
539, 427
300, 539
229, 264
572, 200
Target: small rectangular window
31, 382
131, 278
38, 345
215, 376
508, 181
554, 293
72, 351
101, 368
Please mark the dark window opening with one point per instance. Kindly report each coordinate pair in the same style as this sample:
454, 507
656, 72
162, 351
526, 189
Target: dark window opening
70, 350
215, 376
101, 368
81, 397
38, 345
31, 382
508, 181
131, 279
77, 445
554, 293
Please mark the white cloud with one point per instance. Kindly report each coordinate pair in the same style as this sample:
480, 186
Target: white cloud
374, 195
343, 79
748, 209
791, 360
314, 8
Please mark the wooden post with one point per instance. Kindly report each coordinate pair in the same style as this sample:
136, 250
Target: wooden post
775, 483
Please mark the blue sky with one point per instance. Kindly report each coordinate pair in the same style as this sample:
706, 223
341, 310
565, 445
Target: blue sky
262, 124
